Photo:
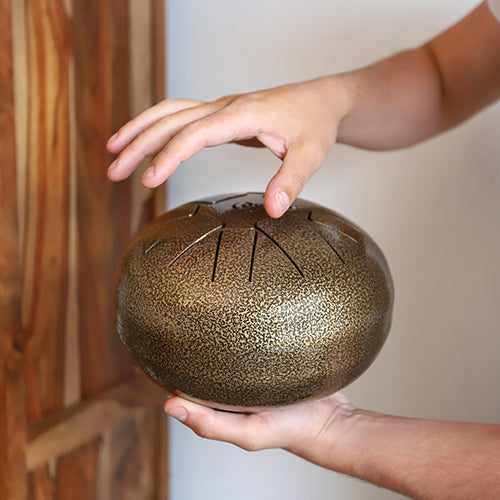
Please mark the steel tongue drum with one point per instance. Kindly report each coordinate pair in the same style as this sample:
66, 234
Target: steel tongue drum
226, 306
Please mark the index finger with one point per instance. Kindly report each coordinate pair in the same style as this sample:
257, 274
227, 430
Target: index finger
220, 127
130, 130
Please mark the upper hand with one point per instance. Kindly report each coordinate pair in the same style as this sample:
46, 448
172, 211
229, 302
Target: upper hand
298, 123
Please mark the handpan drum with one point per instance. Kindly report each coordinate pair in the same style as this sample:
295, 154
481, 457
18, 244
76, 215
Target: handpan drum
224, 305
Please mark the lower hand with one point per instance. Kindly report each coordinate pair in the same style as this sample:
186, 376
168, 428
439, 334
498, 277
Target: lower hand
303, 428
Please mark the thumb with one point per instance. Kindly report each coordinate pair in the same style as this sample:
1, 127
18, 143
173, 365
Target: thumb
297, 168
251, 432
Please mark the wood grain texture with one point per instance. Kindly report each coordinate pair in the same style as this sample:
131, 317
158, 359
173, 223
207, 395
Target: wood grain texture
12, 385
70, 427
102, 102
40, 484
160, 459
141, 98
72, 409
159, 79
132, 459
158, 49
47, 201
21, 81
72, 476
76, 474
72, 371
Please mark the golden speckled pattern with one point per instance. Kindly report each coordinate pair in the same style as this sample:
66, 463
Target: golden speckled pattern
220, 302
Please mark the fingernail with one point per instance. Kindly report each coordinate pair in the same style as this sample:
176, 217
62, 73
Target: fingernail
113, 165
113, 137
179, 413
150, 172
283, 201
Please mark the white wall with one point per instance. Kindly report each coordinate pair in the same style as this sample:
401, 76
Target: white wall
434, 209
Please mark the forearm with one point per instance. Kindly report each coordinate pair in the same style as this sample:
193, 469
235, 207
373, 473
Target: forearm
425, 459
393, 103
418, 93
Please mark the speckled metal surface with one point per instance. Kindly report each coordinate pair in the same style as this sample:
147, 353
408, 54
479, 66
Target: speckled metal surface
217, 301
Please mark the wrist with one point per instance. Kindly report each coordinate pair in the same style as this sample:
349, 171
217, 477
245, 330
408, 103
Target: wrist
326, 444
340, 91
351, 442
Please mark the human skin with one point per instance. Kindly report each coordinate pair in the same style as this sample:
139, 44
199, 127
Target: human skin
421, 458
394, 103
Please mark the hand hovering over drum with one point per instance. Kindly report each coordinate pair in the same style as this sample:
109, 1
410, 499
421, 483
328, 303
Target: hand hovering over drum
393, 103
298, 123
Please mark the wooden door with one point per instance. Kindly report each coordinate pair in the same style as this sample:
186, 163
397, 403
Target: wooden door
76, 419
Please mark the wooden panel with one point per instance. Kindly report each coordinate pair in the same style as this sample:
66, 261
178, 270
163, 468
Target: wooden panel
160, 462
72, 476
147, 57
76, 474
159, 77
40, 485
158, 50
131, 459
12, 389
45, 250
70, 427
141, 98
75, 420
102, 104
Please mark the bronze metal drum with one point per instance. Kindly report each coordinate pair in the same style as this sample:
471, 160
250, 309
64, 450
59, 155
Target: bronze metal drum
225, 305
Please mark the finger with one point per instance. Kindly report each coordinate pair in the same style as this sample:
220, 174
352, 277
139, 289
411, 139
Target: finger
128, 132
152, 139
251, 432
215, 129
297, 168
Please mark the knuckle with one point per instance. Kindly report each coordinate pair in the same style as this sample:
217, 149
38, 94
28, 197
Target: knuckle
137, 149
297, 180
244, 104
192, 131
248, 102
194, 135
315, 154
161, 157
193, 127
203, 431
251, 446
317, 158
204, 426
227, 99
250, 441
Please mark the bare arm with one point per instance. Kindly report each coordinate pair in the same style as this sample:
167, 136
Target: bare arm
419, 93
424, 459
393, 103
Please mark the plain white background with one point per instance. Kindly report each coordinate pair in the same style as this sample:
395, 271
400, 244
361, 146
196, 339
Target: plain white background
434, 210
